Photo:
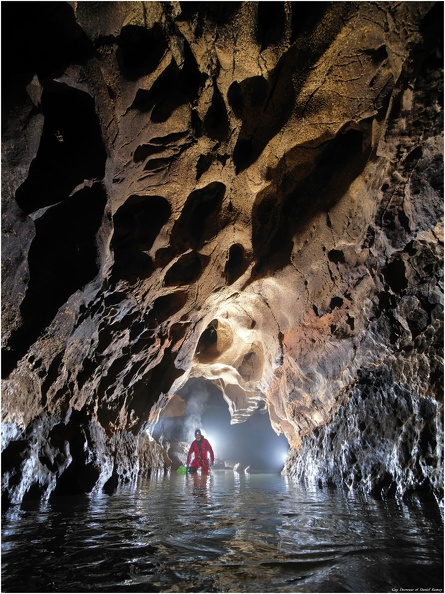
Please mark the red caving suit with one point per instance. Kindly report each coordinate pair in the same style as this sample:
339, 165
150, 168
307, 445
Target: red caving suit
201, 455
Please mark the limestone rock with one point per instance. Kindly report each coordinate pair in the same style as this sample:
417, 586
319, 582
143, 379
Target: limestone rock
244, 192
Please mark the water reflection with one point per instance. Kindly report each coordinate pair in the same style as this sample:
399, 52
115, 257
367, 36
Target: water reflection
200, 483
222, 532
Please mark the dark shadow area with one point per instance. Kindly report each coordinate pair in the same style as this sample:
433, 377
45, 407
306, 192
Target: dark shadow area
264, 106
40, 37
286, 207
140, 50
65, 179
207, 349
174, 87
200, 218
165, 307
216, 122
271, 23
253, 443
63, 258
395, 276
70, 150
219, 13
82, 474
305, 16
236, 264
142, 394
64, 449
137, 223
187, 269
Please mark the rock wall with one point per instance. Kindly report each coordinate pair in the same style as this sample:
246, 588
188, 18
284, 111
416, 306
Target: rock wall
383, 440
245, 192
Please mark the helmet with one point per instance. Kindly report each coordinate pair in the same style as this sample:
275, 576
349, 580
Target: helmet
198, 432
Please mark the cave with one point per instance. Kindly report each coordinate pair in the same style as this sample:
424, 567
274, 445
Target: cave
251, 446
225, 217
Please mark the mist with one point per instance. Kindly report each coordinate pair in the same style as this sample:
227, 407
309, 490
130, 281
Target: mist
253, 443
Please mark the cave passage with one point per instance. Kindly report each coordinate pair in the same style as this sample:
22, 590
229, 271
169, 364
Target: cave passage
252, 443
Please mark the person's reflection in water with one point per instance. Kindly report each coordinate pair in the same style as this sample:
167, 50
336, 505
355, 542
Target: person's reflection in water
200, 483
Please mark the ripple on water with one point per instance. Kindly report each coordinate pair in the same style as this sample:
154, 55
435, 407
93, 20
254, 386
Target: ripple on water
222, 533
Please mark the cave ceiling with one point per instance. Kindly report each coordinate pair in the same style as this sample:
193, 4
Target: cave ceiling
243, 192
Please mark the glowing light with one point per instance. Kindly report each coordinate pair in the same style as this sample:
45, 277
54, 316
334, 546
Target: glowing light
213, 442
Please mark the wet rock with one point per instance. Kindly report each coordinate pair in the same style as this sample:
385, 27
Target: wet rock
382, 441
249, 194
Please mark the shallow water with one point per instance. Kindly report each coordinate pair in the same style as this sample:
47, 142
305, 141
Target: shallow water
222, 533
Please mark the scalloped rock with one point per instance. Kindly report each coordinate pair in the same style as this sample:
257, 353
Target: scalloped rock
247, 193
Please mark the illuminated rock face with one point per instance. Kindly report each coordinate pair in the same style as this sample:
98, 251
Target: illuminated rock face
248, 193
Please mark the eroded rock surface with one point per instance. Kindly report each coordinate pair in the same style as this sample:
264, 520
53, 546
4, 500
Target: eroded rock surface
248, 193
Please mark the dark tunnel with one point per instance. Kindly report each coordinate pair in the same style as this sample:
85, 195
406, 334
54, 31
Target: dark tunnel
200, 404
